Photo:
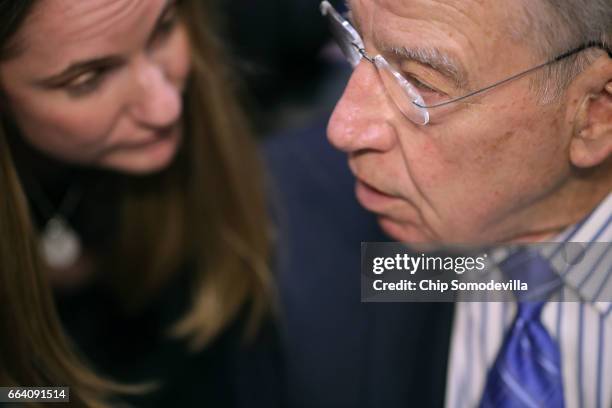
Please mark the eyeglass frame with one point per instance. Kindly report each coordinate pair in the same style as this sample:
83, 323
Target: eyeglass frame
325, 7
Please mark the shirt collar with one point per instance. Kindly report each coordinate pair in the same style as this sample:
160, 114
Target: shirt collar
582, 256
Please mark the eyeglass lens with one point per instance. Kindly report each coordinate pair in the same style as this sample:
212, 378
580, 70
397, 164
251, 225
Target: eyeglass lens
401, 92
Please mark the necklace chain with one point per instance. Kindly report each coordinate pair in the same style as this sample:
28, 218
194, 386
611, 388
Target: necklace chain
60, 244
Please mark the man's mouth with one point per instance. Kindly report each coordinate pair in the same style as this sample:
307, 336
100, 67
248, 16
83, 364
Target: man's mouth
372, 198
371, 187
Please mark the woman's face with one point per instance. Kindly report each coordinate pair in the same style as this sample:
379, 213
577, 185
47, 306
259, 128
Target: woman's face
99, 82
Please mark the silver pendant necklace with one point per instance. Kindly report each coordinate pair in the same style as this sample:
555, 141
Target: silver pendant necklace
60, 244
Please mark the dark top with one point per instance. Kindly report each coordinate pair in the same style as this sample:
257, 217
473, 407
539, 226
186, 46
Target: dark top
137, 348
132, 349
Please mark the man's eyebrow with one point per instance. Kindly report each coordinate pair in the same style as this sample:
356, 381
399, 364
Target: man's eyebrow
79, 67
443, 62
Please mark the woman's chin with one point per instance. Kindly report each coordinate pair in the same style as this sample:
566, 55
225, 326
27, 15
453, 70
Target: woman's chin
146, 160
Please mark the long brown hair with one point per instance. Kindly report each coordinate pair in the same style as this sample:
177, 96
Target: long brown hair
207, 209
33, 348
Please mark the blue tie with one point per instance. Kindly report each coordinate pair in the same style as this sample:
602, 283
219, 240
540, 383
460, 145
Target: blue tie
527, 370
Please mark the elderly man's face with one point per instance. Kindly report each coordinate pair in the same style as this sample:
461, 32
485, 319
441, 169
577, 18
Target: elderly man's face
486, 169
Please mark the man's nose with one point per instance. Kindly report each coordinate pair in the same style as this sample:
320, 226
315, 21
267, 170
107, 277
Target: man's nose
362, 118
157, 101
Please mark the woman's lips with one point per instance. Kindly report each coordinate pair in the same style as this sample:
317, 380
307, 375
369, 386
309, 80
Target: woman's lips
158, 137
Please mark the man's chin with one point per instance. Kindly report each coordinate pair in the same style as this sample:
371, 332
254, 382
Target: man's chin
412, 236
420, 238
404, 232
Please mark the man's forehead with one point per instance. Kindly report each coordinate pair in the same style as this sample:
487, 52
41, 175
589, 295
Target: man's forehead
464, 7
492, 15
451, 34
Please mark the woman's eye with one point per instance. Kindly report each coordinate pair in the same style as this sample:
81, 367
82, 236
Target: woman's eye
85, 83
166, 26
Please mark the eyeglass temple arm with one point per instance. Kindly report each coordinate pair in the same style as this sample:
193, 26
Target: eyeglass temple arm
363, 53
592, 44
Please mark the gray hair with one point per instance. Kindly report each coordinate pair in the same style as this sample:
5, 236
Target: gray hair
560, 25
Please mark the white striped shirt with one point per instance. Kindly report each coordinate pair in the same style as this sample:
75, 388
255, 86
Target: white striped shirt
582, 329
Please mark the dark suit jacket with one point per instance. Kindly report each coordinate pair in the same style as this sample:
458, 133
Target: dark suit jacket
340, 352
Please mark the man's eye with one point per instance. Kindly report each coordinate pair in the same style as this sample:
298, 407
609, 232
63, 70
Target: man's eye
421, 86
349, 17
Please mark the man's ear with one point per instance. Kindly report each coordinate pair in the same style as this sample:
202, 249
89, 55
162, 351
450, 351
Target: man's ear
591, 142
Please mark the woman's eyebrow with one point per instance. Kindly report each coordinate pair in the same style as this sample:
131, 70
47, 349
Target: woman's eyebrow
162, 14
78, 67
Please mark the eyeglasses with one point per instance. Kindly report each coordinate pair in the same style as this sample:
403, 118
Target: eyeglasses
404, 91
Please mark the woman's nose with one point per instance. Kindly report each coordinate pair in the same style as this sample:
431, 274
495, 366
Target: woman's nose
158, 101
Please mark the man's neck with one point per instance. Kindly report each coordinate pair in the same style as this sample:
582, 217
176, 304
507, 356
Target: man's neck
566, 207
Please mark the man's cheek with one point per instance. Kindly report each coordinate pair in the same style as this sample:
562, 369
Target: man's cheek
437, 168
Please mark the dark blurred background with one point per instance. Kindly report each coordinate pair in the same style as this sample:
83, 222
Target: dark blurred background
291, 72
292, 76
